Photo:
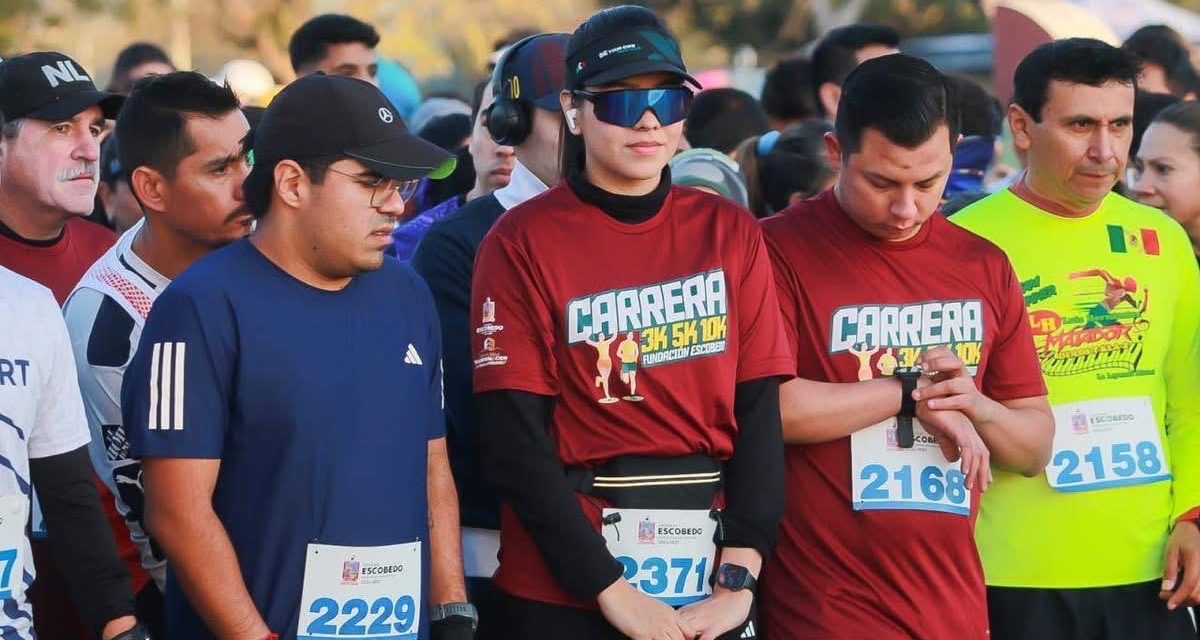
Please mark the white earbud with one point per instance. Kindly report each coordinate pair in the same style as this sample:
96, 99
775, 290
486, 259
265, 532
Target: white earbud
572, 115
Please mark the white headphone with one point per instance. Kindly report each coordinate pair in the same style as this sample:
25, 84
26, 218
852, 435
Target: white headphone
572, 116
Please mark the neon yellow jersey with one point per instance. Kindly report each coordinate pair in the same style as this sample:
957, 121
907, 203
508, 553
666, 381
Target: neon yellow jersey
1114, 302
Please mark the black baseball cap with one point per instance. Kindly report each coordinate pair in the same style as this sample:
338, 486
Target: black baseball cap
47, 85
322, 115
626, 54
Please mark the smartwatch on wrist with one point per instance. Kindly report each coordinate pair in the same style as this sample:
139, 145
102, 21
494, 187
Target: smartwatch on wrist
451, 609
908, 377
735, 577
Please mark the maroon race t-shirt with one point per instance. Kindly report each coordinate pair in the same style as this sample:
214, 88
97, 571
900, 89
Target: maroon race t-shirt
856, 307
641, 331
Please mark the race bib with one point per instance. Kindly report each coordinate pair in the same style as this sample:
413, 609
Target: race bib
884, 476
667, 553
14, 512
1100, 444
361, 592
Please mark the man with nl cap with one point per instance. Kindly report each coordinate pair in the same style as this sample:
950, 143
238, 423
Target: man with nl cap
53, 117
532, 70
286, 397
49, 151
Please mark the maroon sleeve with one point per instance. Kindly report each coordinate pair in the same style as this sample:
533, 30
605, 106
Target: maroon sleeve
1013, 369
786, 294
513, 347
763, 341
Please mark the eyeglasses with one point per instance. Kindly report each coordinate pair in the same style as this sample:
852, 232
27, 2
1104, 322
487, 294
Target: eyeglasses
381, 187
625, 107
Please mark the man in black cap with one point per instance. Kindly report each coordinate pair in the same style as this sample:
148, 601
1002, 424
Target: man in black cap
286, 397
49, 152
49, 165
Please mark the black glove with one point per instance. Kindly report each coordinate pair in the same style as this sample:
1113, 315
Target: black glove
452, 628
138, 632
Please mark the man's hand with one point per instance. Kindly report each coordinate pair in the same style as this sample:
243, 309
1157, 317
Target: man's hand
958, 439
718, 614
641, 617
953, 389
1183, 550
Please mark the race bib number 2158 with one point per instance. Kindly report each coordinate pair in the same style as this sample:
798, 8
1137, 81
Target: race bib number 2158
1100, 444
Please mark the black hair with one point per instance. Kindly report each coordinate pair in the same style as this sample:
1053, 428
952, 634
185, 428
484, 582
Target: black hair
131, 57
260, 183
110, 162
448, 131
979, 113
796, 162
787, 90
477, 98
1163, 46
1146, 107
512, 37
601, 24
1075, 60
310, 44
722, 118
152, 126
837, 53
1184, 116
902, 97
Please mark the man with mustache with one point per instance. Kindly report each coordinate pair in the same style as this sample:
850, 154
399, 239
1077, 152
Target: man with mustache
1105, 543
49, 148
181, 146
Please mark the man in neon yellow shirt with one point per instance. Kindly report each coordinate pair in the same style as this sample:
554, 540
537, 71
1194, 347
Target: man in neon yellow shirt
1105, 544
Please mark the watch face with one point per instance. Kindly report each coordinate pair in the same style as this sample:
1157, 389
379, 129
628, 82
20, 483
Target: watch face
733, 576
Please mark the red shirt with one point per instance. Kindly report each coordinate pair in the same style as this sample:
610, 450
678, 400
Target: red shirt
844, 574
641, 330
59, 266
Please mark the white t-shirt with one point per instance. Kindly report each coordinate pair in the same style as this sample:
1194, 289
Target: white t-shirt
41, 415
105, 314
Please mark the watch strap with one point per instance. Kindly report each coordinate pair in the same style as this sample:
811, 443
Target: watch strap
908, 408
450, 609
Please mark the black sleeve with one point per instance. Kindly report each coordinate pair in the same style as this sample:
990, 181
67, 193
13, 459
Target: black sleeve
521, 459
80, 538
754, 475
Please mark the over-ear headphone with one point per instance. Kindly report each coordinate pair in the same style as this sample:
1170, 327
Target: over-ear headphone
508, 119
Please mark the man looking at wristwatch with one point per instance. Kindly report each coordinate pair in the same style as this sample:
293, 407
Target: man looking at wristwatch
877, 538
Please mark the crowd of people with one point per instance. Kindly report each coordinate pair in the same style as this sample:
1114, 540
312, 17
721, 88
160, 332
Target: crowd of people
602, 353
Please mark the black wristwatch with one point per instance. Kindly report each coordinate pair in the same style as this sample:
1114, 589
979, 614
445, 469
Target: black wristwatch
908, 377
735, 577
451, 609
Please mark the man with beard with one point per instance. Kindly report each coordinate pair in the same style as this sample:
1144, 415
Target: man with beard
182, 141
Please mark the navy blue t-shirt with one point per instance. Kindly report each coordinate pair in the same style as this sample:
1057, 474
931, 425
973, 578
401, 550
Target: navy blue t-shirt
445, 258
319, 404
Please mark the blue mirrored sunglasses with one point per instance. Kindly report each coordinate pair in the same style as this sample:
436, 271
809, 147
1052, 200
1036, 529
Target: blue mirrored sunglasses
625, 107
